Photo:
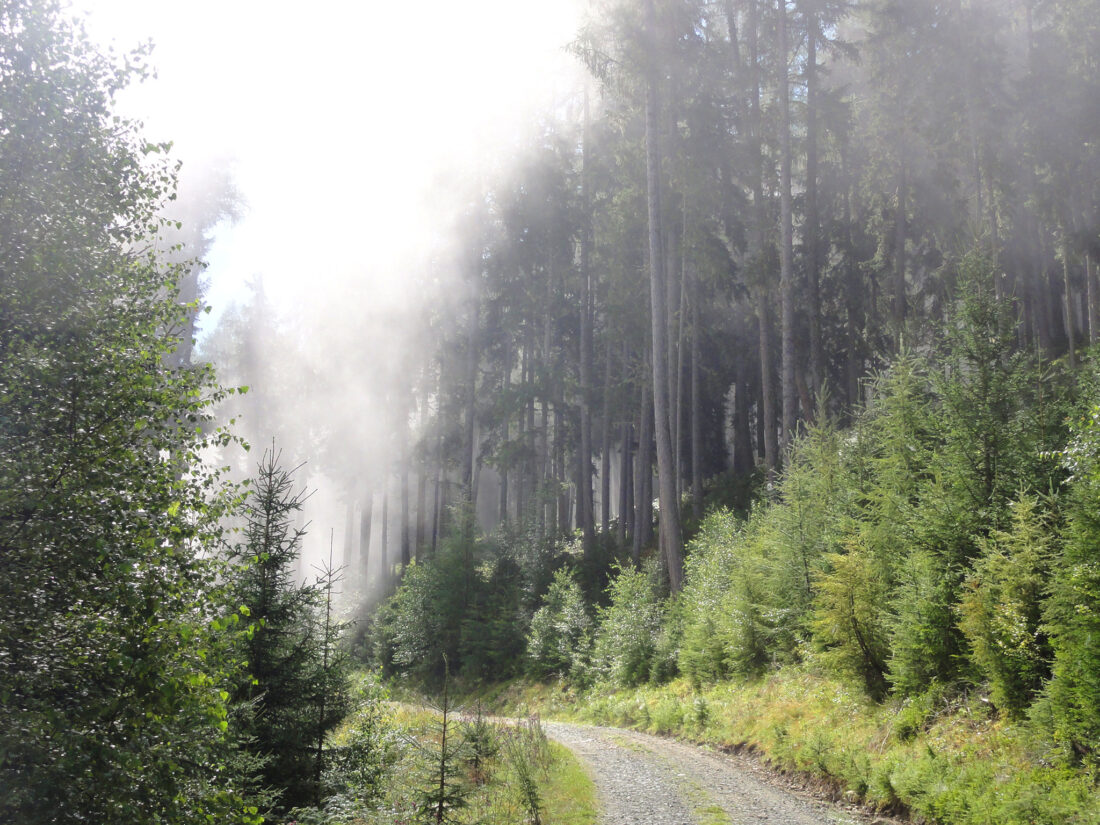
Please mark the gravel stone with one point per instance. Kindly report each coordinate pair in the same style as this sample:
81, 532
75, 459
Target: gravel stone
646, 780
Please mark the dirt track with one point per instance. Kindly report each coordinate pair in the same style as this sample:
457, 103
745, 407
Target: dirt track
646, 780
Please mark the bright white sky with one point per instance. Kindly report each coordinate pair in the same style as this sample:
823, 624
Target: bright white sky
339, 115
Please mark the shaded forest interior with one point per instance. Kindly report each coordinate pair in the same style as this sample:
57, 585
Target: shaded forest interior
750, 209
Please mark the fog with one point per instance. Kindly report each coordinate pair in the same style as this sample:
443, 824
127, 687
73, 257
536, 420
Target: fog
346, 137
349, 172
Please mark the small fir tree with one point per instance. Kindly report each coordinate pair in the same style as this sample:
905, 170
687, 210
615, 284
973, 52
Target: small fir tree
297, 688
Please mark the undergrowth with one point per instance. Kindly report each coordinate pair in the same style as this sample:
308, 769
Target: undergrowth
939, 757
496, 774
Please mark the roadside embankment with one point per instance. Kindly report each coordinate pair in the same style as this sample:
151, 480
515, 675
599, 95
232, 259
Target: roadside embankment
936, 758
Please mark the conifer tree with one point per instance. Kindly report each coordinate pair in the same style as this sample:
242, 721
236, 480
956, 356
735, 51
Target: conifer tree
296, 690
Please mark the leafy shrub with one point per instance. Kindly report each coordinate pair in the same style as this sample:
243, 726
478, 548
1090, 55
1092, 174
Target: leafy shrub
465, 605
1002, 607
628, 628
923, 634
723, 619
559, 629
1072, 615
848, 622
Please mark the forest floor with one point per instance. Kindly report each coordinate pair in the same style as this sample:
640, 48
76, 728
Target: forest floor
648, 779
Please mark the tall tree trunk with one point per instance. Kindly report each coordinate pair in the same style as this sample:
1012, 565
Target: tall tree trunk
349, 532
767, 391
813, 218
671, 539
437, 485
626, 484
605, 447
420, 539
437, 497
1067, 306
585, 509
626, 463
696, 412
742, 433
546, 468
853, 292
994, 235
406, 555
387, 560
506, 432
561, 522
643, 479
526, 435
900, 238
757, 240
469, 448
786, 234
1092, 296
678, 377
366, 513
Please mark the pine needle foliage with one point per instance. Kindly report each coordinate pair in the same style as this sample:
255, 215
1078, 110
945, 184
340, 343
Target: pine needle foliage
297, 688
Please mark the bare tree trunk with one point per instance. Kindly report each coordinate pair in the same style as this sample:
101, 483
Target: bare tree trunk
561, 522
526, 426
742, 434
852, 292
349, 531
1092, 296
605, 447
696, 412
506, 433
437, 497
813, 218
768, 417
406, 555
421, 487
585, 509
626, 484
437, 487
469, 448
673, 276
786, 233
643, 479
671, 539
1067, 306
900, 237
767, 388
366, 513
387, 562
678, 381
626, 464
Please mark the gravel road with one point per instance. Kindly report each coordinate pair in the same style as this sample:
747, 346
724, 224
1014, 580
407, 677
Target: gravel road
646, 780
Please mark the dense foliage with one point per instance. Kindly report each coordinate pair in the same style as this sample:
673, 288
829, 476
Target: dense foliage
142, 671
115, 659
465, 610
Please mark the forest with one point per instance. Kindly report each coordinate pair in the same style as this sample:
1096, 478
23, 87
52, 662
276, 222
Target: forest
765, 361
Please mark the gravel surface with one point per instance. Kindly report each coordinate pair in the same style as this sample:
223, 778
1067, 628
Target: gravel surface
646, 780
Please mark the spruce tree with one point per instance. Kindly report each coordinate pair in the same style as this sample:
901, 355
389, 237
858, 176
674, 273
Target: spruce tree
296, 691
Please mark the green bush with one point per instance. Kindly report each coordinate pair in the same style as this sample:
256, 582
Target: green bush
1002, 606
559, 629
116, 647
1072, 614
626, 639
848, 622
